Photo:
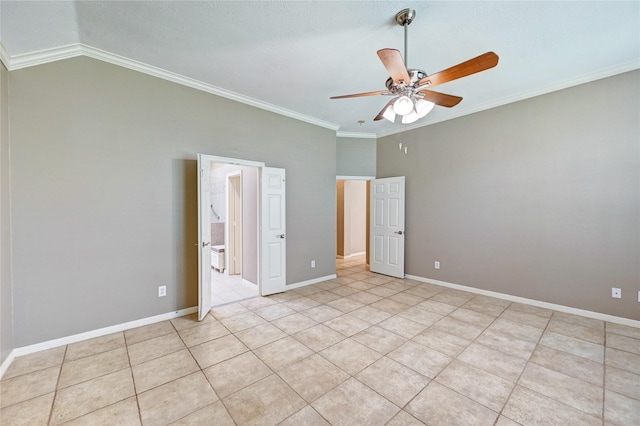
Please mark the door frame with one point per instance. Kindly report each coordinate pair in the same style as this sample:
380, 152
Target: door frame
368, 179
238, 162
231, 248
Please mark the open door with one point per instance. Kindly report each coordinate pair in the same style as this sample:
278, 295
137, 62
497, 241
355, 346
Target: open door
387, 227
204, 237
273, 232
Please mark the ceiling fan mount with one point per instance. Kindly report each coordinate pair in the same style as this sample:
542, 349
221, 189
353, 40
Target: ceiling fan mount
411, 99
405, 17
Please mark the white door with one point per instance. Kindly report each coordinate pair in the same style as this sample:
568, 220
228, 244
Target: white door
274, 243
387, 226
204, 237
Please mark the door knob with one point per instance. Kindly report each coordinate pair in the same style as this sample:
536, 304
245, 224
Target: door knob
280, 236
398, 232
206, 244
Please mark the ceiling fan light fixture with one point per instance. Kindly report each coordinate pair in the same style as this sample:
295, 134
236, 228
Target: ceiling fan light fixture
410, 117
403, 105
389, 114
424, 107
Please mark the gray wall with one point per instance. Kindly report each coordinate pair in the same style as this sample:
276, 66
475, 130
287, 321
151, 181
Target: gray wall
356, 157
539, 199
104, 192
6, 308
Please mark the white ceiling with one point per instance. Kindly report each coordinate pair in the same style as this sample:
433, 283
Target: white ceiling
290, 57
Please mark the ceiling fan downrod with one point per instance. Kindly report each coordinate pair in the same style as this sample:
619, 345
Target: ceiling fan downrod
404, 19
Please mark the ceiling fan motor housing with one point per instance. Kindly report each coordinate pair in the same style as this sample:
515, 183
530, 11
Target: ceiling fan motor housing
415, 74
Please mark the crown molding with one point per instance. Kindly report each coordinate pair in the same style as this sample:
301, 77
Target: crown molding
74, 50
43, 56
4, 56
586, 78
356, 135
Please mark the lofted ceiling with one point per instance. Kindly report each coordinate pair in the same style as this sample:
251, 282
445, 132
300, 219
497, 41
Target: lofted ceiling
290, 57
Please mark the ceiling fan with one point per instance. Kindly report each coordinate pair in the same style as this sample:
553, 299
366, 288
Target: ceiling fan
410, 87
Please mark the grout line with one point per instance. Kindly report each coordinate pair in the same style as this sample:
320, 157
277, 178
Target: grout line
135, 389
523, 369
528, 361
55, 395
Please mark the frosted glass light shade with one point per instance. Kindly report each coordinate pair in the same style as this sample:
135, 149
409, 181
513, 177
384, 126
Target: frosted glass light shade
410, 118
403, 105
423, 107
389, 114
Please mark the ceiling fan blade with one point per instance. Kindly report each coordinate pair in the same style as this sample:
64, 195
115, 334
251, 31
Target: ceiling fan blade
357, 95
472, 66
379, 116
392, 60
441, 99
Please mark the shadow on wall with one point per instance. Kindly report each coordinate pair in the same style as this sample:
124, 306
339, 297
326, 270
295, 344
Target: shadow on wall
185, 231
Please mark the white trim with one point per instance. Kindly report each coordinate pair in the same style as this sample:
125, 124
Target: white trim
25, 350
450, 114
73, 50
355, 177
234, 161
532, 302
309, 282
79, 49
7, 362
42, 56
349, 256
5, 59
356, 135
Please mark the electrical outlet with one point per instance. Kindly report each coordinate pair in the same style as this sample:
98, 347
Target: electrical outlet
436, 265
616, 293
638, 295
162, 291
313, 263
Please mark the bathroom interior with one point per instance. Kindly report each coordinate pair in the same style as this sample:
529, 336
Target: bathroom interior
234, 226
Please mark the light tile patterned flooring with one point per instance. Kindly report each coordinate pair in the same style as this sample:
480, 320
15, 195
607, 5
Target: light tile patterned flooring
363, 349
230, 288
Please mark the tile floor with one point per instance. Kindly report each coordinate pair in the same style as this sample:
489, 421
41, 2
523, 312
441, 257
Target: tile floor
362, 349
230, 288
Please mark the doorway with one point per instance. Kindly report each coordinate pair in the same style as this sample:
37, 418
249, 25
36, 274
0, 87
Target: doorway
234, 240
266, 234
352, 218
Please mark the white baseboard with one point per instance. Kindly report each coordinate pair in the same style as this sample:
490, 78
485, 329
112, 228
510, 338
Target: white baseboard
532, 302
309, 282
25, 350
7, 362
349, 256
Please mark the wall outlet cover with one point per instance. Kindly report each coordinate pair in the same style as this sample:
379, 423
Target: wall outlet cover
616, 293
162, 291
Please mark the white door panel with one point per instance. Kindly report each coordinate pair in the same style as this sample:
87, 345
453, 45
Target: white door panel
204, 237
274, 246
387, 226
